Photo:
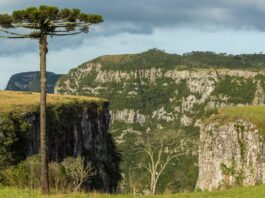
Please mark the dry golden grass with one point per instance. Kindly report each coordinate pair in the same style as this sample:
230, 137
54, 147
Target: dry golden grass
21, 101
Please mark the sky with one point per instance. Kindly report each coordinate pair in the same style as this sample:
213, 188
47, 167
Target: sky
134, 26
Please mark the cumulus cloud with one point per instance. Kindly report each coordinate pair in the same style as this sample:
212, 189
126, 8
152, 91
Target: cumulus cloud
156, 13
172, 40
143, 16
232, 26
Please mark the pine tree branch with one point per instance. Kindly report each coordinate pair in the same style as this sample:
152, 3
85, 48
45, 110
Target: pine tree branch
9, 32
26, 25
69, 23
74, 33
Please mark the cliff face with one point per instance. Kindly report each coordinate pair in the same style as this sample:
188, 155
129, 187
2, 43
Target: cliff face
165, 96
75, 128
231, 154
161, 96
29, 81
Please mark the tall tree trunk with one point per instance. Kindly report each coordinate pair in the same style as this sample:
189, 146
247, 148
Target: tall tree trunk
153, 184
43, 145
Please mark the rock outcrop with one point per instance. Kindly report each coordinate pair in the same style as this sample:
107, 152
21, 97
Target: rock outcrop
162, 96
75, 127
231, 154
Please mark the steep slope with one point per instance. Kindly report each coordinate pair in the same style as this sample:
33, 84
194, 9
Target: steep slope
159, 91
75, 126
232, 148
29, 81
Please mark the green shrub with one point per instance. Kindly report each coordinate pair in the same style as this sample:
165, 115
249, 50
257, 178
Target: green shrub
68, 175
24, 175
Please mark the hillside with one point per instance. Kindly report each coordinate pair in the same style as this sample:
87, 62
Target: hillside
29, 81
154, 91
155, 58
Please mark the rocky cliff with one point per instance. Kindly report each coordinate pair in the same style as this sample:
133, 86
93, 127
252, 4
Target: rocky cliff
75, 126
232, 149
165, 95
158, 91
29, 81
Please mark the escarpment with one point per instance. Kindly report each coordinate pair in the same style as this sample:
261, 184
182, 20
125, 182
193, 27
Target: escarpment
158, 91
75, 126
164, 96
232, 149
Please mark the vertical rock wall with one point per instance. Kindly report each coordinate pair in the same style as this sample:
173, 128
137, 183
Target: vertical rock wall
73, 129
231, 154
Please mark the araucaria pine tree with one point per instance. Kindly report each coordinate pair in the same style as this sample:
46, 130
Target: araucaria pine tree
39, 23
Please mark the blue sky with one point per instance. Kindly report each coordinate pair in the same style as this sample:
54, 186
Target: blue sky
176, 26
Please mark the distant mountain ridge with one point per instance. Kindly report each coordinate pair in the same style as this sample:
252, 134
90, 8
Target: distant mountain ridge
156, 58
29, 81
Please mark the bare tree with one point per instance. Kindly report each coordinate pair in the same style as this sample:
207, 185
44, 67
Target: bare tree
76, 169
39, 23
161, 148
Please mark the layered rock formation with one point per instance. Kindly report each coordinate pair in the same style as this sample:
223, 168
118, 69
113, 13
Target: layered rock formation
180, 94
231, 154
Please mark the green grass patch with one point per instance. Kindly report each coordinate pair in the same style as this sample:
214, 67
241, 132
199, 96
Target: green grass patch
254, 114
243, 192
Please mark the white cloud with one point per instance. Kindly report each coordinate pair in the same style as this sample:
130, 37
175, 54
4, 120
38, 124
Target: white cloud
172, 40
135, 26
10, 65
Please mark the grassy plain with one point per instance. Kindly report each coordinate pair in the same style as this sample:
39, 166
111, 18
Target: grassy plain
244, 192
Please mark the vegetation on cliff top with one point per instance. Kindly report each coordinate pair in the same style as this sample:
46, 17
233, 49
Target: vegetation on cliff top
160, 59
253, 114
26, 101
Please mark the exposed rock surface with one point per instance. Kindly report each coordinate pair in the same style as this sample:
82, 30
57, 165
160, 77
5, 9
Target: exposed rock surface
230, 154
154, 94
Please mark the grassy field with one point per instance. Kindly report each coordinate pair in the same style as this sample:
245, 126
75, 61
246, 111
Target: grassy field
254, 114
22, 101
247, 192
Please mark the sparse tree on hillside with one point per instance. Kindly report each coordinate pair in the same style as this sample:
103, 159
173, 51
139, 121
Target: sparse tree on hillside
160, 149
39, 23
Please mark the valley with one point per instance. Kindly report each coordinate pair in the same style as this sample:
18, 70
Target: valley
159, 100
148, 93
